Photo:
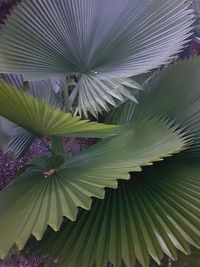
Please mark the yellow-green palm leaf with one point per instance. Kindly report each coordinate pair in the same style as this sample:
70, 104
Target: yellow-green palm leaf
49, 189
41, 119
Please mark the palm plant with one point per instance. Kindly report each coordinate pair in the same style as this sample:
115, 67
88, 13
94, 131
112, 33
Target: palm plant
69, 207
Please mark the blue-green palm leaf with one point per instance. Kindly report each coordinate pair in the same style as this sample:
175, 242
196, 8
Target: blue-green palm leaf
171, 92
101, 39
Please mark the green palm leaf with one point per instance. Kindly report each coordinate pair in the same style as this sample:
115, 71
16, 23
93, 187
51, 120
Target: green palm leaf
94, 94
15, 80
58, 146
15, 140
45, 38
49, 190
42, 90
41, 119
172, 93
156, 212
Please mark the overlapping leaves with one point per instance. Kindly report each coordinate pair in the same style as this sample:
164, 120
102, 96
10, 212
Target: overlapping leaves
157, 211
95, 94
171, 93
47, 38
14, 139
41, 119
50, 189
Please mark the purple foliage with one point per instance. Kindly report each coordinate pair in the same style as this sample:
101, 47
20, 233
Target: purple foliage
5, 7
22, 261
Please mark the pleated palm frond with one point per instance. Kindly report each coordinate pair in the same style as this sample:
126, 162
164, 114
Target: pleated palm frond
58, 147
155, 212
40, 119
15, 140
43, 90
4, 137
99, 39
15, 80
50, 189
96, 94
173, 93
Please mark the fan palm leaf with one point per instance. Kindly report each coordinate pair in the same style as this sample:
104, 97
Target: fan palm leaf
171, 92
43, 90
50, 189
99, 39
157, 211
41, 119
15, 140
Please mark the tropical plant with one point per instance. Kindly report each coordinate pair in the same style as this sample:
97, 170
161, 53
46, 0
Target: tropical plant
65, 61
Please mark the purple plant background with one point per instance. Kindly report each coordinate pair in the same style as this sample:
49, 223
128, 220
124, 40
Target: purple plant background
22, 261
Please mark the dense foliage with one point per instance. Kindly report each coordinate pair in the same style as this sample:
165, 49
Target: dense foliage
71, 205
